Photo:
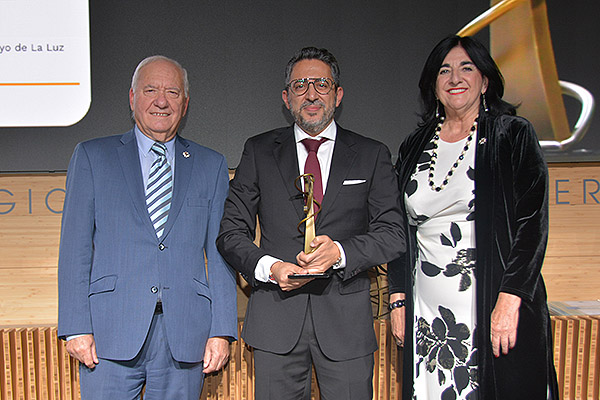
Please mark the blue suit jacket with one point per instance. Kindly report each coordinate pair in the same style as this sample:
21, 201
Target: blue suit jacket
111, 261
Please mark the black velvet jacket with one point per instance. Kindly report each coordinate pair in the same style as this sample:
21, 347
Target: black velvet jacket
511, 231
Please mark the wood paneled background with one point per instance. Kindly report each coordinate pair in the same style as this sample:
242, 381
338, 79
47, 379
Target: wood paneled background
571, 267
30, 212
37, 366
30, 207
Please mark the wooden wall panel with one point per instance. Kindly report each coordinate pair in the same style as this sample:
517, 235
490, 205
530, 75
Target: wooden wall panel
29, 241
30, 212
571, 265
34, 365
29, 296
30, 207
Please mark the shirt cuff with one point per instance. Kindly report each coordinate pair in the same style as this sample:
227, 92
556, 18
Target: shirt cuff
342, 256
76, 336
263, 269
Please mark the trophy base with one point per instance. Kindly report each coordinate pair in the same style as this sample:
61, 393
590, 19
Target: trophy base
308, 276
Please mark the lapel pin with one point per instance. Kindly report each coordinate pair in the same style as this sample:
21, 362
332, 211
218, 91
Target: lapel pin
186, 154
482, 140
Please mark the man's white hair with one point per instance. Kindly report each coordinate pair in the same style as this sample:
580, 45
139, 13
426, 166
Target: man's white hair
151, 59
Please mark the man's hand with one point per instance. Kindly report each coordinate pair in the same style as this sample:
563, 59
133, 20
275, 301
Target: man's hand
216, 354
280, 271
397, 316
504, 322
83, 348
325, 255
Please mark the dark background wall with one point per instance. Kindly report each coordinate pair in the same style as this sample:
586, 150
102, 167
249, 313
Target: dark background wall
236, 51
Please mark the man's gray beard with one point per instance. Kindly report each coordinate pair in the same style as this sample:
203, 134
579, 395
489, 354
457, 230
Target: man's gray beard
317, 126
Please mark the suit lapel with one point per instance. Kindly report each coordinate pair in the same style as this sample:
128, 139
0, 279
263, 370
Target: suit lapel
130, 165
286, 159
341, 162
184, 161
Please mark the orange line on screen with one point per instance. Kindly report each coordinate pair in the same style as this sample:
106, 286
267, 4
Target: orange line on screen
40, 84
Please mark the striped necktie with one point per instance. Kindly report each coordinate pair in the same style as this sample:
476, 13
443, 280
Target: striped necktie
159, 189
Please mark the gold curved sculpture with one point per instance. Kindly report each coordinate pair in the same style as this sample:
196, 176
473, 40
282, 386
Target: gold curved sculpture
521, 45
309, 210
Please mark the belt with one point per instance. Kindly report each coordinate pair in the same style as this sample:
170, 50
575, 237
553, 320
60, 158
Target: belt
158, 309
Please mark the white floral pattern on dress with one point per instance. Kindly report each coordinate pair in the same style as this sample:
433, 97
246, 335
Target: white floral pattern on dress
445, 354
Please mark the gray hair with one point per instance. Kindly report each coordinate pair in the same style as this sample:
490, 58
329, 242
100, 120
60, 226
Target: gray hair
313, 53
151, 59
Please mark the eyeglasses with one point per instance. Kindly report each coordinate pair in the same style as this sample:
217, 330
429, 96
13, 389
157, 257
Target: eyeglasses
321, 85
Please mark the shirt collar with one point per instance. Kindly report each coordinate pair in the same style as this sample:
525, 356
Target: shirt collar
145, 143
328, 133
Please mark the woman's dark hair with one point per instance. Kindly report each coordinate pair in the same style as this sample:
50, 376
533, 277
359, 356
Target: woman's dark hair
482, 60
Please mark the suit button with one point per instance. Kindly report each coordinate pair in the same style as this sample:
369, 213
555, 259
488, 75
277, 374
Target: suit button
154, 289
161, 247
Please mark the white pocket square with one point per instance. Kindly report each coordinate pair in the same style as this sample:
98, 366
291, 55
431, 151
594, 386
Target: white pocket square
354, 181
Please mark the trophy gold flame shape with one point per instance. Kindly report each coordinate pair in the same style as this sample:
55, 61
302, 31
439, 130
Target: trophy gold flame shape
309, 209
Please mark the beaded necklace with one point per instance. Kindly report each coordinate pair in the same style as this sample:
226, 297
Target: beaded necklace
434, 155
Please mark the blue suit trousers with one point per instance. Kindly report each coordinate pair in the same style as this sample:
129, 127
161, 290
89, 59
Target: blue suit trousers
154, 366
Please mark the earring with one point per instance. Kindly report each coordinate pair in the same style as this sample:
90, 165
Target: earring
485, 107
437, 109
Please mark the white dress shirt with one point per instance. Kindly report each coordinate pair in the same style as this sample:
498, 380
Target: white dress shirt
147, 156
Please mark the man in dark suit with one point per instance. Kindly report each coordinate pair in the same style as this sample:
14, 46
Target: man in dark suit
292, 323
137, 304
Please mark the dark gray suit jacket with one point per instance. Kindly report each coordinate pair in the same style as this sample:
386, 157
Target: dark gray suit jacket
364, 217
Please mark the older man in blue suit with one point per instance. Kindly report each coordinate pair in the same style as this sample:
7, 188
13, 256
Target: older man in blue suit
138, 306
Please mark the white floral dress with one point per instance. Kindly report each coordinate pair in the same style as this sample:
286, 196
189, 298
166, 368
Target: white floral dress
444, 280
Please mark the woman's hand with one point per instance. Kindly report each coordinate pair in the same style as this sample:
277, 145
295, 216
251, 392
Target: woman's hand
397, 316
504, 322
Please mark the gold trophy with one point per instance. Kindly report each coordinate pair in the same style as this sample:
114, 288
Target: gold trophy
309, 210
309, 220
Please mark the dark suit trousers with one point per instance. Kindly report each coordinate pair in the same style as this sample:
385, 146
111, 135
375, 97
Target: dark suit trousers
287, 376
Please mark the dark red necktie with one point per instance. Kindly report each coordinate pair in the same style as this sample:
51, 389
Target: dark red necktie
313, 167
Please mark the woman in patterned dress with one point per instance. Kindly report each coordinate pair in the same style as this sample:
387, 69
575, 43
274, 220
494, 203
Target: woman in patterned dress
468, 303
